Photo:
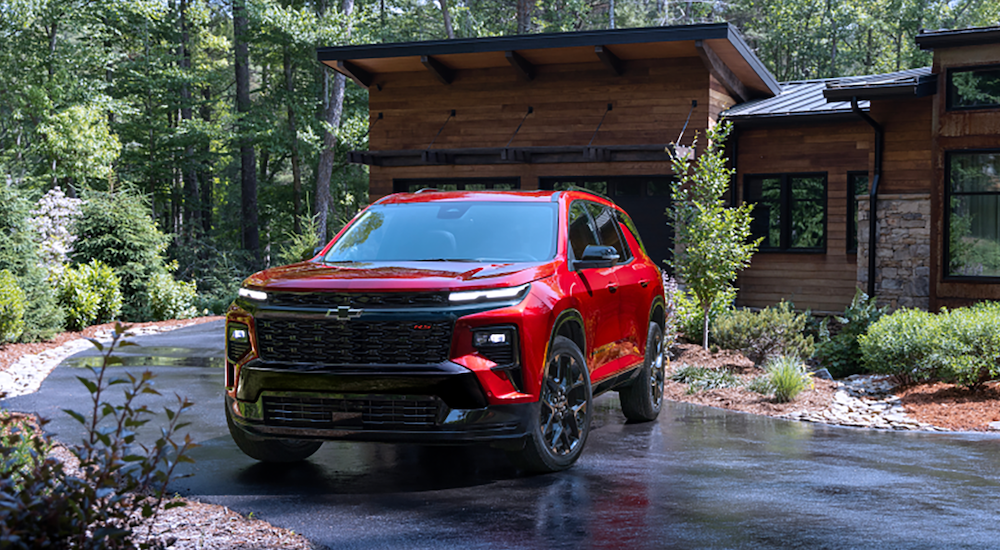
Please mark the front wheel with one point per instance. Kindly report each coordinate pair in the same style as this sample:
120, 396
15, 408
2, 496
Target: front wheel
643, 400
559, 430
271, 450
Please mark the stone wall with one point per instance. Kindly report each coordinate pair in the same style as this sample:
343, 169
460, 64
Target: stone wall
903, 249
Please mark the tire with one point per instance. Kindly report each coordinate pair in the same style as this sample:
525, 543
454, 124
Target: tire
559, 429
643, 399
271, 449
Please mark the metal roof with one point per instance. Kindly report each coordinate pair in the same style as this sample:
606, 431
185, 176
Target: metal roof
929, 40
800, 98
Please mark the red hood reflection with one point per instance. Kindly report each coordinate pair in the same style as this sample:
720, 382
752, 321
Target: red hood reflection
385, 276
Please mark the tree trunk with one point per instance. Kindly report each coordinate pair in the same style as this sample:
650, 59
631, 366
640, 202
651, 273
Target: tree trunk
324, 169
189, 172
704, 336
205, 176
447, 19
294, 136
248, 172
523, 16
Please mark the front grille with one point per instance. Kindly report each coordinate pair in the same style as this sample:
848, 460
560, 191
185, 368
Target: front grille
353, 342
352, 413
371, 300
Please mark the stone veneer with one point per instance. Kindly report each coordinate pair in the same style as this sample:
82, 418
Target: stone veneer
903, 252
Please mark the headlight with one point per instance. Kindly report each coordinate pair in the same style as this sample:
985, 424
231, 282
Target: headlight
256, 295
495, 294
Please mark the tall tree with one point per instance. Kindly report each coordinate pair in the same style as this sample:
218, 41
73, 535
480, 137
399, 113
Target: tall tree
189, 169
448, 29
324, 169
248, 172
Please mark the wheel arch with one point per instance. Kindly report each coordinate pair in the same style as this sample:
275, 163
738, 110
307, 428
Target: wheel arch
569, 323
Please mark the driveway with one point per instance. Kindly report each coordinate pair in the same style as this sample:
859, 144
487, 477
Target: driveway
696, 478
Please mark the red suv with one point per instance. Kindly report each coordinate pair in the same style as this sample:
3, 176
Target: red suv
451, 317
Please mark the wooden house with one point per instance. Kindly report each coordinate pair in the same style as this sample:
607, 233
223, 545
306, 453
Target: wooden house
598, 109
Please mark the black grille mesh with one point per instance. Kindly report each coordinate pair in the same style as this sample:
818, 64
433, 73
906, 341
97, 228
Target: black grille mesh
357, 300
360, 413
236, 350
353, 342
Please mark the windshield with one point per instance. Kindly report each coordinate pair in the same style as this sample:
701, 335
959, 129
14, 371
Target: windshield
499, 232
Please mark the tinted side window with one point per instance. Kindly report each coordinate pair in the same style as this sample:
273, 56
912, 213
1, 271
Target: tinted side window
581, 230
607, 228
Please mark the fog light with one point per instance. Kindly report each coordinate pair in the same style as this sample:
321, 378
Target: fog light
489, 338
237, 342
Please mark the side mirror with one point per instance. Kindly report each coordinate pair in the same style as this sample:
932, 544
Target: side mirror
596, 256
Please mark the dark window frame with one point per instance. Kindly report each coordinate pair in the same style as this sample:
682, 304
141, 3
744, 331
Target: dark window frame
785, 205
946, 245
852, 207
403, 185
950, 90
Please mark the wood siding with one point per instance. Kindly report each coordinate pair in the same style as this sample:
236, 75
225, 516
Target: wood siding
908, 159
650, 102
821, 282
955, 131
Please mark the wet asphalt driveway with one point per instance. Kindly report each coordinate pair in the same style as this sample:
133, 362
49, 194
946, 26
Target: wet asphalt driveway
697, 478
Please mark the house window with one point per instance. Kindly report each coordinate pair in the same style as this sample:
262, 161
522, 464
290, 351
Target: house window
455, 184
789, 211
974, 88
973, 225
857, 184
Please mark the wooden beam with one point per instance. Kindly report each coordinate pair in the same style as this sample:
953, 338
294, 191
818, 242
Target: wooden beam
610, 60
443, 73
360, 76
720, 71
522, 66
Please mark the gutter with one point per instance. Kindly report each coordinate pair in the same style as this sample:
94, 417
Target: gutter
873, 192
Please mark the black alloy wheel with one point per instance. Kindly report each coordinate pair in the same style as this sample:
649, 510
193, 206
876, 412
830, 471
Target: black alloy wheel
643, 399
560, 429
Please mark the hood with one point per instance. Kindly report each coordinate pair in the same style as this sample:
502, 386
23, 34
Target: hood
397, 276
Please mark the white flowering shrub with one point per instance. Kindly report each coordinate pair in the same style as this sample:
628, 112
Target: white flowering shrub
52, 220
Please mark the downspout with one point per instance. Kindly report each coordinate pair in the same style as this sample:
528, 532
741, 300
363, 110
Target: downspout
873, 192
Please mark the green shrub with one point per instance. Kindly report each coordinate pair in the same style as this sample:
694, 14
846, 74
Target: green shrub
90, 294
840, 353
170, 299
12, 301
703, 378
690, 318
299, 246
787, 377
760, 384
19, 254
218, 272
769, 332
969, 345
117, 230
120, 482
902, 344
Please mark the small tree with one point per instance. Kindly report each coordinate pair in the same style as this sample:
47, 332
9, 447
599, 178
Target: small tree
713, 241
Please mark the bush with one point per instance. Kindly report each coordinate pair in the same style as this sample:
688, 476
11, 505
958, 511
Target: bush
218, 272
170, 299
901, 344
770, 332
19, 255
840, 353
787, 377
969, 345
12, 300
117, 230
120, 482
302, 246
703, 378
89, 294
690, 317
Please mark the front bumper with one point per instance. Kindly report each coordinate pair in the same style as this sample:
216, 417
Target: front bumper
427, 404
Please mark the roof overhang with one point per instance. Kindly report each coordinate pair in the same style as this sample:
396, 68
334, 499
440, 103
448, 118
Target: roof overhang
719, 45
930, 40
922, 86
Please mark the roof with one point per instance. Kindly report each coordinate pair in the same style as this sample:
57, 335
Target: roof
433, 195
364, 63
912, 83
810, 98
929, 40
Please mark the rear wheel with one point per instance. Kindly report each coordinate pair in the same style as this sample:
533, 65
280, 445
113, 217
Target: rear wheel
559, 431
271, 450
643, 399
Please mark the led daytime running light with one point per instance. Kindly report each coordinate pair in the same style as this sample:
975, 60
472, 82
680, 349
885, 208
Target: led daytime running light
256, 295
488, 295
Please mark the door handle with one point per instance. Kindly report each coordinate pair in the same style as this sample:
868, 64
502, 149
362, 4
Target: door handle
644, 283
612, 288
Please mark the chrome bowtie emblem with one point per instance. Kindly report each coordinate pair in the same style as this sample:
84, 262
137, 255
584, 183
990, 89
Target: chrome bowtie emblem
343, 313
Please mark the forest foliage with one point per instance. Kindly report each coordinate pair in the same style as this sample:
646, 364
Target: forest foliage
141, 97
